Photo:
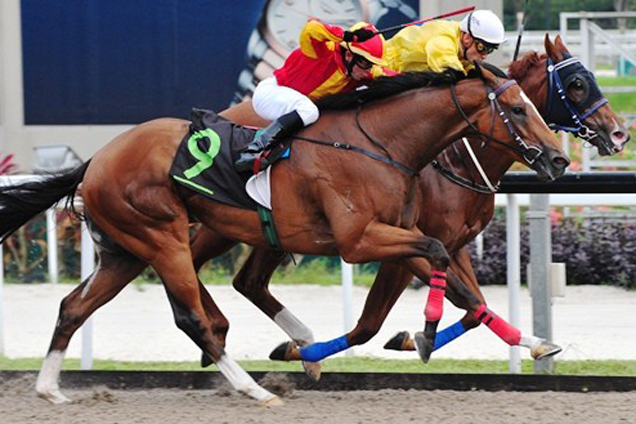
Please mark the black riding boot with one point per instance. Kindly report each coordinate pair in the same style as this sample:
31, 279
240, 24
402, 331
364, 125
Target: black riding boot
270, 143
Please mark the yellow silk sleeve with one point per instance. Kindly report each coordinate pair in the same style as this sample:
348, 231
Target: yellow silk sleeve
317, 31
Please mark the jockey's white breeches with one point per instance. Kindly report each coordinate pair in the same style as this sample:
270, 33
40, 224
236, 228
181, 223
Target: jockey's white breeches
271, 101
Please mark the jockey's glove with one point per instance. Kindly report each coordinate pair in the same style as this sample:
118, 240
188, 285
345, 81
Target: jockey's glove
358, 35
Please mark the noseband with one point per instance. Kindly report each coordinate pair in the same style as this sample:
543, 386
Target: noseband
564, 116
529, 153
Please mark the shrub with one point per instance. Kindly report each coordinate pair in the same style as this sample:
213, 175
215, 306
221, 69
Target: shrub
595, 251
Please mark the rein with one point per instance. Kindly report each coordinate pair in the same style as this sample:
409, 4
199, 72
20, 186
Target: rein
372, 155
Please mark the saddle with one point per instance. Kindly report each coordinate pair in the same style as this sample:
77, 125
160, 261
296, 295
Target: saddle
205, 159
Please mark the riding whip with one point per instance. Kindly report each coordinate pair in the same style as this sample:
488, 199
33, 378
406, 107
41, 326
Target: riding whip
523, 22
443, 15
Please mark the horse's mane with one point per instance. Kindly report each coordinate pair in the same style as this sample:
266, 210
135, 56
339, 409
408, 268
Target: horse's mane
383, 87
520, 67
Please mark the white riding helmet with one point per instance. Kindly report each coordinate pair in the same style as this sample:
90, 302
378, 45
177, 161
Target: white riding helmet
484, 25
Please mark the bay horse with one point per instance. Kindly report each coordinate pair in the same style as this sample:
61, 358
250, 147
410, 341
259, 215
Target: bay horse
359, 201
456, 204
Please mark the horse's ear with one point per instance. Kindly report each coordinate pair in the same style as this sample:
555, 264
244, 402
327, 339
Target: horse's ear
560, 46
551, 49
486, 75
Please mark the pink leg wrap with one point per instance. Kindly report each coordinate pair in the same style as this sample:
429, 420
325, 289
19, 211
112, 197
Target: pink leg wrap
499, 326
435, 301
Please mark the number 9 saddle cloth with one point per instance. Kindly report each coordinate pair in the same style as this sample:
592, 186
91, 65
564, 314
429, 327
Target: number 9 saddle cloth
205, 158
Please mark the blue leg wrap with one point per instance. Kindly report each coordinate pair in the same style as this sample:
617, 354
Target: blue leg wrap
319, 351
449, 334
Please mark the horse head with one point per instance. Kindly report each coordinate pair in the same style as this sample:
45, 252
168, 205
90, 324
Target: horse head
575, 102
515, 123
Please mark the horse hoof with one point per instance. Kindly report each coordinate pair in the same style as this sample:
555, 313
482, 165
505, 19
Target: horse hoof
423, 346
545, 349
285, 352
273, 402
312, 369
206, 361
401, 341
55, 397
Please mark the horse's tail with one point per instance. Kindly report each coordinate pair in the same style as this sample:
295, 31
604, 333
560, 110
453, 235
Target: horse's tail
22, 201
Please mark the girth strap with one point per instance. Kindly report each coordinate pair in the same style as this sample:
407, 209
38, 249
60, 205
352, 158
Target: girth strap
269, 229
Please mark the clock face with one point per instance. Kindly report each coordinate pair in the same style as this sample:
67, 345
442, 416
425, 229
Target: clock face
286, 18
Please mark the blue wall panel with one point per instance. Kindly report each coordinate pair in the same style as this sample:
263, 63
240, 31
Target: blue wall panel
127, 61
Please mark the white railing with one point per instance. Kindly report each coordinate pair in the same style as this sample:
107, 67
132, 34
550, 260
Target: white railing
87, 261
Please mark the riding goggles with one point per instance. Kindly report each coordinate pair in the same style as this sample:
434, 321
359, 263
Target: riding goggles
483, 46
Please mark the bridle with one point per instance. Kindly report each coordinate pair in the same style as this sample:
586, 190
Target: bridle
556, 74
529, 153
564, 110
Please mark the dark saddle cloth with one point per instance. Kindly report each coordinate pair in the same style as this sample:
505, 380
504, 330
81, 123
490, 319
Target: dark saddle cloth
205, 159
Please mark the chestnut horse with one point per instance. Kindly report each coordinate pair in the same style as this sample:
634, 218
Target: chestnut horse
457, 202
359, 201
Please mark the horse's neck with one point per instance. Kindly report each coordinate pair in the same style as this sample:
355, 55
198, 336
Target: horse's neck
535, 84
418, 125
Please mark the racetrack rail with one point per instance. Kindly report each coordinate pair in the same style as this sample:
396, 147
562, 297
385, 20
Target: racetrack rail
201, 380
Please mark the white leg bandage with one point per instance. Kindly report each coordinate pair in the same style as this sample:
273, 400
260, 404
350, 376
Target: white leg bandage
295, 329
241, 381
47, 383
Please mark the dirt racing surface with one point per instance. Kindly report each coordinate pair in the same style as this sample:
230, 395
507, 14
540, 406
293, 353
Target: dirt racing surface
19, 404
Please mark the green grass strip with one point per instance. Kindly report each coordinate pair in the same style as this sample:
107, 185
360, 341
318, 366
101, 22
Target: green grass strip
360, 364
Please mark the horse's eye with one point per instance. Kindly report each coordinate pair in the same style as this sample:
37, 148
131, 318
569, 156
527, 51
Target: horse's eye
518, 110
578, 84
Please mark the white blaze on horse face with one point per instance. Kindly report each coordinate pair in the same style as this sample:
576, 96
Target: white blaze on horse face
47, 382
295, 329
242, 382
527, 100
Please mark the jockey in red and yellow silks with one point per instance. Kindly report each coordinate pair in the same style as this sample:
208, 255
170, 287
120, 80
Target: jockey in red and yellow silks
316, 68
329, 60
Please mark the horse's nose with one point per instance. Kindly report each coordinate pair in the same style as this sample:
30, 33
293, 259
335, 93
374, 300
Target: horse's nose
560, 162
619, 139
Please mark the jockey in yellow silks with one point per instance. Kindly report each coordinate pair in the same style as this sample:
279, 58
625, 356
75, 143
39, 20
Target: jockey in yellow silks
329, 60
443, 46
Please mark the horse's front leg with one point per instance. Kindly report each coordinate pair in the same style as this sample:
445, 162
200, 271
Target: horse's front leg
477, 312
381, 242
464, 292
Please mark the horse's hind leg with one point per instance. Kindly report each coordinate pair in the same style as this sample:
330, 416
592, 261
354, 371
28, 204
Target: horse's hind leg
115, 269
206, 245
174, 266
252, 282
